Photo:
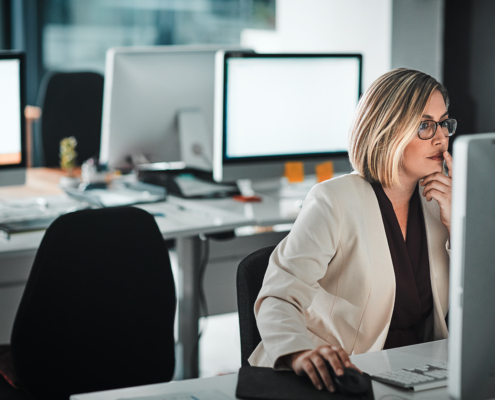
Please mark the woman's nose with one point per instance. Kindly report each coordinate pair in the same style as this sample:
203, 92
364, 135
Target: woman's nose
439, 137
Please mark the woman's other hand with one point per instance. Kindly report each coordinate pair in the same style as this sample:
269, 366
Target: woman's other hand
315, 364
439, 187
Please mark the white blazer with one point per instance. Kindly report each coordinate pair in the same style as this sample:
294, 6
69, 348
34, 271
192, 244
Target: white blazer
332, 281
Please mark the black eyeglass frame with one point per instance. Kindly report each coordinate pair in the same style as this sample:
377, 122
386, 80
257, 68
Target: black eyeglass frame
436, 126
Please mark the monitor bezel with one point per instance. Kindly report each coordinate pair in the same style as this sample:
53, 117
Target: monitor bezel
21, 56
283, 157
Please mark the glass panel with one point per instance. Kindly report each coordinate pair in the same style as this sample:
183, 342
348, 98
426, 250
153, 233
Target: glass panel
77, 33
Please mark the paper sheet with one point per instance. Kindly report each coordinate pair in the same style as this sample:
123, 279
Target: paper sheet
199, 395
192, 186
120, 195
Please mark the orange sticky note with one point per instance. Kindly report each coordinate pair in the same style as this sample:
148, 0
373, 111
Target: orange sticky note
294, 171
324, 171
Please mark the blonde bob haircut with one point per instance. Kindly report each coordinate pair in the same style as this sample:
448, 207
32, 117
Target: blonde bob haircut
387, 118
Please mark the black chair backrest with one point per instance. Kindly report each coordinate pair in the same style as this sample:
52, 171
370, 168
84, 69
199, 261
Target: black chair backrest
250, 276
72, 104
98, 309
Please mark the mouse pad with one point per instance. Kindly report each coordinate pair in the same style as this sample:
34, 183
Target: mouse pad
259, 383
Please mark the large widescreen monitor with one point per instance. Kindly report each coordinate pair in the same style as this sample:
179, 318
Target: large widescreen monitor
273, 108
158, 104
472, 269
12, 123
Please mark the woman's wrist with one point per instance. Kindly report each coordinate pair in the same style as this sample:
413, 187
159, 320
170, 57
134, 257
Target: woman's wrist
290, 358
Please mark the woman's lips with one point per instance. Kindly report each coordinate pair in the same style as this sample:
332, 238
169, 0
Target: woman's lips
436, 157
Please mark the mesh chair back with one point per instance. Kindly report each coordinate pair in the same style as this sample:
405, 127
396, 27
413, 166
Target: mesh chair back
99, 306
250, 275
72, 105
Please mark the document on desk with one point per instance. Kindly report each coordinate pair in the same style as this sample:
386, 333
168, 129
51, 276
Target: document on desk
200, 395
120, 195
191, 186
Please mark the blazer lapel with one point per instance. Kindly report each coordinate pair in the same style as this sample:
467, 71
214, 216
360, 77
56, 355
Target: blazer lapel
383, 275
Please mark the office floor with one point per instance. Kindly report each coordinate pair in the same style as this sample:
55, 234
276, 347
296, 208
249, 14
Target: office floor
220, 347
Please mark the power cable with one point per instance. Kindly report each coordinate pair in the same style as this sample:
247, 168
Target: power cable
203, 304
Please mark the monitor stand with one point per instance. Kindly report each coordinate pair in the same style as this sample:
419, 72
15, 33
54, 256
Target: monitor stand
195, 140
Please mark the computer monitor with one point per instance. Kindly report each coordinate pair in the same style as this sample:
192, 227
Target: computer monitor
472, 269
12, 122
274, 108
153, 93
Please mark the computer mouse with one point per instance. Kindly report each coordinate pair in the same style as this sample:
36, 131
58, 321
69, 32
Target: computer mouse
352, 383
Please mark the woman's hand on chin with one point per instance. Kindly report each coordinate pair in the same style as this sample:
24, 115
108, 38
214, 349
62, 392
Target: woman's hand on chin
439, 187
315, 364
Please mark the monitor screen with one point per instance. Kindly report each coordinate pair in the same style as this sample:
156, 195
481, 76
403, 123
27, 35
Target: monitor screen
295, 105
471, 272
10, 114
281, 107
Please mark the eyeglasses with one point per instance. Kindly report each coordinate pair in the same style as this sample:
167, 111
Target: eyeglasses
428, 128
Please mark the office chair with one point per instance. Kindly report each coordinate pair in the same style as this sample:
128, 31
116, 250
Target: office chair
250, 274
71, 104
99, 306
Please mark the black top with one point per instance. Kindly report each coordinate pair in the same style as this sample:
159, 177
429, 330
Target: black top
413, 295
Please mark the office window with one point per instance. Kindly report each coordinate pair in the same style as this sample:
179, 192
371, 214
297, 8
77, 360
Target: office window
77, 33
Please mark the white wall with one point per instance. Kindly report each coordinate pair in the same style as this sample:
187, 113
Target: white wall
335, 26
417, 35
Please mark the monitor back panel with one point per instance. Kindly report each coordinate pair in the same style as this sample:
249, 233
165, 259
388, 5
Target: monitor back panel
145, 89
472, 289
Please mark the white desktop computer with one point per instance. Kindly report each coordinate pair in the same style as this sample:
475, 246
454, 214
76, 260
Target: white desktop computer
274, 108
472, 269
12, 121
158, 102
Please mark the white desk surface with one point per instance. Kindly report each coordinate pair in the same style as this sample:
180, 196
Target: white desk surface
372, 363
182, 218
270, 211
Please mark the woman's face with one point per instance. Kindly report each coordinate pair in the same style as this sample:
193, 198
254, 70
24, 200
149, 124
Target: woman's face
425, 157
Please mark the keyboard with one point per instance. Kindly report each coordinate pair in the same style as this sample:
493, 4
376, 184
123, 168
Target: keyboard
30, 225
426, 377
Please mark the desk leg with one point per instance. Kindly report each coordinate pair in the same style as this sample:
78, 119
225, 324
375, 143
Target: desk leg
189, 253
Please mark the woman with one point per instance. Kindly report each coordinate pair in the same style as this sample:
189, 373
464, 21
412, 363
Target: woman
365, 266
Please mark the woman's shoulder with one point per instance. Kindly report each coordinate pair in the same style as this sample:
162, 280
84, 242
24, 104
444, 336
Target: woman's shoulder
342, 186
346, 192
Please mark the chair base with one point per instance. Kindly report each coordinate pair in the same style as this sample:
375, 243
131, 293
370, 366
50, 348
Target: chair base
7, 392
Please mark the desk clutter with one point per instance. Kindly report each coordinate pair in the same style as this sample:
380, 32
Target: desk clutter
34, 213
155, 179
37, 213
119, 194
185, 182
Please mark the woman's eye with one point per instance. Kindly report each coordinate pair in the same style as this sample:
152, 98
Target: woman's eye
423, 126
445, 124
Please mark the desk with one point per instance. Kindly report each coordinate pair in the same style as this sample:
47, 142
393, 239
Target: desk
183, 220
380, 361
39, 182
